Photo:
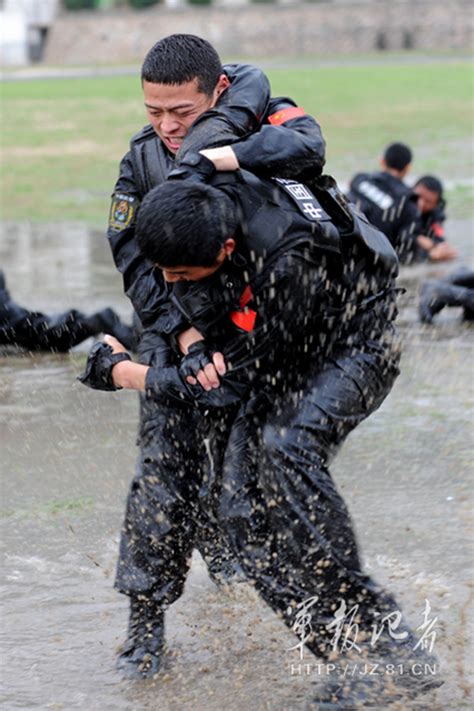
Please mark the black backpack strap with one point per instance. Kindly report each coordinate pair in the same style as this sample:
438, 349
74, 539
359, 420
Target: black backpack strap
333, 201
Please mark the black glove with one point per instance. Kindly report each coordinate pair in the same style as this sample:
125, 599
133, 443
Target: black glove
98, 372
195, 167
198, 356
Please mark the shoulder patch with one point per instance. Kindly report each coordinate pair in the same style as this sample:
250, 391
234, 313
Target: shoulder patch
122, 211
303, 199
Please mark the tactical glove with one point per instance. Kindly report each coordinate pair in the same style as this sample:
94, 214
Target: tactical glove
195, 167
98, 372
198, 356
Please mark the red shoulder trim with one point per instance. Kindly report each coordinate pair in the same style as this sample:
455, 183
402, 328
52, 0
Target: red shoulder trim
438, 230
280, 117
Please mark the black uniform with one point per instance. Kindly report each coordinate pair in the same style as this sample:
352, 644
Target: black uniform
390, 205
288, 143
304, 313
36, 331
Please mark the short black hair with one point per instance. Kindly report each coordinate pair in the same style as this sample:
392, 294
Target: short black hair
432, 183
398, 156
182, 223
178, 59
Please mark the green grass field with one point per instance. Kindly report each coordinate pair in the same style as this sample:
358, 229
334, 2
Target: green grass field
63, 138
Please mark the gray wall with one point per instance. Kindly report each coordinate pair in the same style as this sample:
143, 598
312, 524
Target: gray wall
330, 27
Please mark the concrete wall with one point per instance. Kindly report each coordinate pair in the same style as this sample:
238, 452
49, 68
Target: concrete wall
13, 39
24, 25
330, 27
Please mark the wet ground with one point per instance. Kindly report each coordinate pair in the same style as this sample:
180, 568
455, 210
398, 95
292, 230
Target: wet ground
67, 456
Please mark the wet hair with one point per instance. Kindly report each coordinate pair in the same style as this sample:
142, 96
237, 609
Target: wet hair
397, 156
185, 224
179, 58
430, 182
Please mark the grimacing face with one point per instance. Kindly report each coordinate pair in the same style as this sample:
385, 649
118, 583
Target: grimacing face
173, 108
427, 200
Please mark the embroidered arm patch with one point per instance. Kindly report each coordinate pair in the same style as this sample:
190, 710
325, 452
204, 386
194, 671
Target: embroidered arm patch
122, 211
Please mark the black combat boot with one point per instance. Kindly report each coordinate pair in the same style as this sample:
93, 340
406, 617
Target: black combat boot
107, 321
435, 295
142, 654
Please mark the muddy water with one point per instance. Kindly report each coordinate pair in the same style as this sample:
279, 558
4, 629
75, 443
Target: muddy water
67, 455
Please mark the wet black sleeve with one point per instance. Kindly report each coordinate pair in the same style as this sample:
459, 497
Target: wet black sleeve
239, 111
282, 307
143, 284
291, 147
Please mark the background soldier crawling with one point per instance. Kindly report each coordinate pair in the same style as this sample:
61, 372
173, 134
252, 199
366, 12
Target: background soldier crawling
391, 205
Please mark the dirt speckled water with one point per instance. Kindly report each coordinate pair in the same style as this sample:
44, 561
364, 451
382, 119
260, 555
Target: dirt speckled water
67, 456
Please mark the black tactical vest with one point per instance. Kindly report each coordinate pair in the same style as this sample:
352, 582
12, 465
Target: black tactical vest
151, 162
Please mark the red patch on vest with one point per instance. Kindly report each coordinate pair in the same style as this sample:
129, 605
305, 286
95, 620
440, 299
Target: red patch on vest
244, 318
280, 117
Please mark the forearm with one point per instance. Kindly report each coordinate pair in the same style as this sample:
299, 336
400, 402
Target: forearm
130, 375
223, 158
238, 112
289, 144
435, 251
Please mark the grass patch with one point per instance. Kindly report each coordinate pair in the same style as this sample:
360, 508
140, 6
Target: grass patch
63, 138
53, 508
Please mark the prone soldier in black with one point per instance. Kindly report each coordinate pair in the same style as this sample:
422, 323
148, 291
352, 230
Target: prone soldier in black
196, 109
36, 331
303, 311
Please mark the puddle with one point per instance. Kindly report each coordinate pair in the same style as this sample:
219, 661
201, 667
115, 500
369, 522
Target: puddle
68, 456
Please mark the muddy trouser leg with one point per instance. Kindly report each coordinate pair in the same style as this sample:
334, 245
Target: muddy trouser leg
40, 332
286, 521
37, 331
164, 512
438, 293
60, 332
465, 277
211, 540
66, 330
462, 277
